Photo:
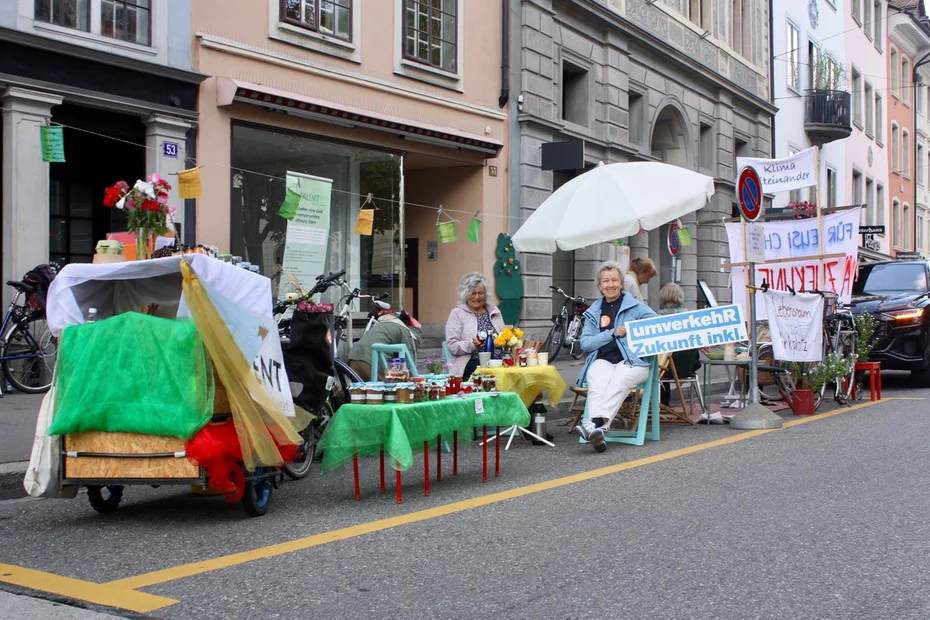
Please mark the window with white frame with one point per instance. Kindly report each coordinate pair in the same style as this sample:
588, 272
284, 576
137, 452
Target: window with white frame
918, 164
329, 17
128, 20
895, 147
879, 205
919, 229
879, 120
896, 223
905, 80
741, 27
906, 225
857, 195
857, 97
869, 110
794, 57
869, 201
65, 13
895, 71
795, 194
906, 152
856, 10
867, 18
431, 33
877, 24
831, 188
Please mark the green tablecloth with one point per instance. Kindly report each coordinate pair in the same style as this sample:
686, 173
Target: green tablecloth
402, 429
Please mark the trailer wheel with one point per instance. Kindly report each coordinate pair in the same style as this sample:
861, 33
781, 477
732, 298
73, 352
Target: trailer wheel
257, 494
105, 499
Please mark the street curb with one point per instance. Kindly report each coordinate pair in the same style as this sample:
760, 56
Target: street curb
11, 480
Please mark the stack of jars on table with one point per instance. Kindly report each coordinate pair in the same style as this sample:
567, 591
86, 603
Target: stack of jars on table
410, 390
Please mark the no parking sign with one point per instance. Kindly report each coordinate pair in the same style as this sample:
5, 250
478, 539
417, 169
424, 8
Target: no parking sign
749, 191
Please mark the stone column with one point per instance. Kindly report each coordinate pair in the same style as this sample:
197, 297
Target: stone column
25, 182
166, 139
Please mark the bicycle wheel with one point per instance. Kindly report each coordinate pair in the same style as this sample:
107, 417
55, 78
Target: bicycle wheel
345, 377
29, 355
307, 452
554, 340
576, 351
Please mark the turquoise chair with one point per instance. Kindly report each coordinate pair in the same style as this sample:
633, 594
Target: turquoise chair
379, 357
446, 354
648, 413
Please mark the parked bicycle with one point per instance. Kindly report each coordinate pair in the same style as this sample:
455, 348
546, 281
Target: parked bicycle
27, 348
565, 332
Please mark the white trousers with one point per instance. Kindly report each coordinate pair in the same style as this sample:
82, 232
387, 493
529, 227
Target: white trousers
608, 386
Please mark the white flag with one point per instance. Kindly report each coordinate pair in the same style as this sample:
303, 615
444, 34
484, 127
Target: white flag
796, 323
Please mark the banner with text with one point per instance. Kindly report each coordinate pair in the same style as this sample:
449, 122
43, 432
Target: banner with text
796, 325
307, 242
801, 239
781, 175
686, 330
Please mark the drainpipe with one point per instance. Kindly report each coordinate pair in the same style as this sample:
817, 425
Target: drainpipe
772, 64
505, 53
924, 60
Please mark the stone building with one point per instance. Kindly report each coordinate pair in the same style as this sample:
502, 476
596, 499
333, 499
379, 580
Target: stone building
685, 83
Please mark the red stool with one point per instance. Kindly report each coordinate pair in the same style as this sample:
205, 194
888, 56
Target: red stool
875, 378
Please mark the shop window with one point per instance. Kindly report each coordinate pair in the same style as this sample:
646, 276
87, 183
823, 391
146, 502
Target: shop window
66, 13
575, 91
431, 33
129, 20
329, 17
261, 159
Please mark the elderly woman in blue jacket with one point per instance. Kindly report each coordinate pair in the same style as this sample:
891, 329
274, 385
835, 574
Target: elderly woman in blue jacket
611, 370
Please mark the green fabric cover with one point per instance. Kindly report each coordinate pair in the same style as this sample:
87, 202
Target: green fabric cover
402, 429
133, 373
509, 280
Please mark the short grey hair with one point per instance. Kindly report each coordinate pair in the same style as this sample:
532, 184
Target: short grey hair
609, 265
470, 282
671, 295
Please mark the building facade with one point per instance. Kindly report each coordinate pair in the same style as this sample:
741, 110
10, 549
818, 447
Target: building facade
908, 45
685, 83
403, 100
117, 77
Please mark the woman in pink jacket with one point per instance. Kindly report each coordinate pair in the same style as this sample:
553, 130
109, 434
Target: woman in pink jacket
472, 315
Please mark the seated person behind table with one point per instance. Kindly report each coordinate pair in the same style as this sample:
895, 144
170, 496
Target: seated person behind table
611, 370
687, 362
390, 329
472, 315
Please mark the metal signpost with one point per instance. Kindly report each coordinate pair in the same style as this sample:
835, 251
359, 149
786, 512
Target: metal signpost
749, 191
674, 247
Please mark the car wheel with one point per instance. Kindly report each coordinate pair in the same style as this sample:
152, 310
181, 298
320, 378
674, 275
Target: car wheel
921, 378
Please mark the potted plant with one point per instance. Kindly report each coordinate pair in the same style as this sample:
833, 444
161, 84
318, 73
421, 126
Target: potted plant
865, 330
810, 379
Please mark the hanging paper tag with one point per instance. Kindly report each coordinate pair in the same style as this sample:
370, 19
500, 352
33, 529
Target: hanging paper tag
684, 236
365, 223
53, 143
288, 208
479, 406
447, 232
189, 183
473, 229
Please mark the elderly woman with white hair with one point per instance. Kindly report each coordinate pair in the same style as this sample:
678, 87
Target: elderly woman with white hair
472, 316
611, 369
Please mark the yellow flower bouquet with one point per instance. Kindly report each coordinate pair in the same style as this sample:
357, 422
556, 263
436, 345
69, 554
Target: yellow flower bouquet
510, 339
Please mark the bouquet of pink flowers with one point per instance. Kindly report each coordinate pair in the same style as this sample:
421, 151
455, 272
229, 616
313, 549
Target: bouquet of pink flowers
145, 204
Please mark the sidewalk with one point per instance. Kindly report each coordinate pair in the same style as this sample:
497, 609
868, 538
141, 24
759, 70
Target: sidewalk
24, 607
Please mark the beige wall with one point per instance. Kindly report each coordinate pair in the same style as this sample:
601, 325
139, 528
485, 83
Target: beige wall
233, 41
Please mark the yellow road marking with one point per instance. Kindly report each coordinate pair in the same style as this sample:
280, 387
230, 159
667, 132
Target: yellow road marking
122, 593
196, 568
97, 593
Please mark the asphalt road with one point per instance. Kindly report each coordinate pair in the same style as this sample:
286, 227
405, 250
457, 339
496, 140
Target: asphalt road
823, 519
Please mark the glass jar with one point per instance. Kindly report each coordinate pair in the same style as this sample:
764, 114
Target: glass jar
374, 395
396, 370
489, 384
358, 395
404, 393
390, 394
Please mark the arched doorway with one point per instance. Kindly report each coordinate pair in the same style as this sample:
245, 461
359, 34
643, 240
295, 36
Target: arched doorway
670, 143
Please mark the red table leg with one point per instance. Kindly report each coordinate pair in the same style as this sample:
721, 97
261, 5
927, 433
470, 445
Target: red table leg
426, 468
382, 470
484, 463
439, 458
878, 382
455, 453
497, 454
397, 483
358, 492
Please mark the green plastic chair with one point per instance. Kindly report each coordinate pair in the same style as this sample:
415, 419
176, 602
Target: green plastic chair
648, 413
379, 356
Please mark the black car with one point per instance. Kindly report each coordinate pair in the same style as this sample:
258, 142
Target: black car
897, 294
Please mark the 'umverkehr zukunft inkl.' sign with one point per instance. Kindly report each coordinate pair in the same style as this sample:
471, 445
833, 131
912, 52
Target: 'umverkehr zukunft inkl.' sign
686, 330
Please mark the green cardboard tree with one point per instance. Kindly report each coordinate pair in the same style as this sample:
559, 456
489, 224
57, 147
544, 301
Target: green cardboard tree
508, 280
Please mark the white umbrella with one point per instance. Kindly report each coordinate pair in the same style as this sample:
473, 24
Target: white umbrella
612, 202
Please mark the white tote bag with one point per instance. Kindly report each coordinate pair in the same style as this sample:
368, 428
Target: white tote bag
42, 477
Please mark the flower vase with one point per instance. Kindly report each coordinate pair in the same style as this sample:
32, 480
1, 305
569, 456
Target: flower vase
143, 248
507, 359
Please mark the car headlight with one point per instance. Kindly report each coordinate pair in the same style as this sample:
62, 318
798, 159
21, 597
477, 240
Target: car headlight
906, 316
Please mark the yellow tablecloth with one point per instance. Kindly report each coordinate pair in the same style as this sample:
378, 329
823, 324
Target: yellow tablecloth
528, 382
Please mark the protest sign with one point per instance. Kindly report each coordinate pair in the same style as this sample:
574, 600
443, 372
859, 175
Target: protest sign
686, 330
801, 239
796, 326
307, 239
782, 175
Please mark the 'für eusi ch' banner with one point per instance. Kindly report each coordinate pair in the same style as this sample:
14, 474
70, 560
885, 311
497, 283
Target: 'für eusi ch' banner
801, 239
781, 175
307, 241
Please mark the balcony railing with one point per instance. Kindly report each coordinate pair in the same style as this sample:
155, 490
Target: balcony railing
827, 115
